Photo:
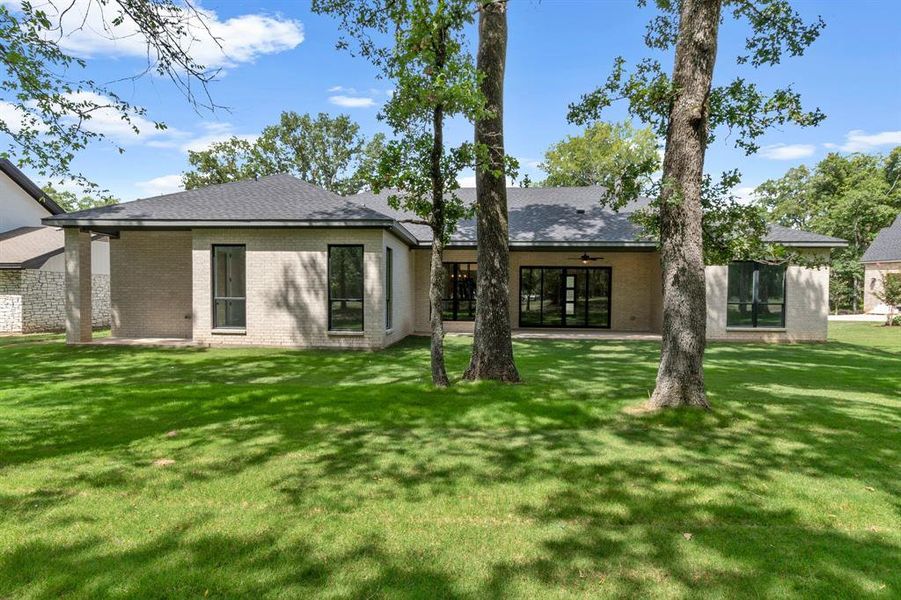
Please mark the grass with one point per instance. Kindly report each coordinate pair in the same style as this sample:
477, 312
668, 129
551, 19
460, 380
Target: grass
136, 472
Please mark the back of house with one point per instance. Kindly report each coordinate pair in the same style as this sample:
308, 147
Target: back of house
277, 261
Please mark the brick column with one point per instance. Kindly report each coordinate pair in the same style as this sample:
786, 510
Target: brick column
78, 286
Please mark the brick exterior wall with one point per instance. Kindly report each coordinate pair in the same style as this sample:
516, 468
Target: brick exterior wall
806, 307
635, 285
150, 276
160, 278
32, 301
286, 287
872, 282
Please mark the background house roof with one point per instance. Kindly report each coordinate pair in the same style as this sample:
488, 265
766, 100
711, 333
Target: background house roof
30, 187
273, 198
886, 247
29, 247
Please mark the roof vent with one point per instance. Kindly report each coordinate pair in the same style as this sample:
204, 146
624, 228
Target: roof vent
580, 211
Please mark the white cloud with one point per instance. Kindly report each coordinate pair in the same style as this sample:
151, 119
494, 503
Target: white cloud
341, 88
165, 184
88, 32
101, 116
787, 151
352, 101
858, 140
744, 194
213, 133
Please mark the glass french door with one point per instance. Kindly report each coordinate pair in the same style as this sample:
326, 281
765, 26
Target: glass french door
564, 297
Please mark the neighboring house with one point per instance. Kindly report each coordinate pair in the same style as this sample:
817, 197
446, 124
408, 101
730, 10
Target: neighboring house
277, 261
883, 257
32, 266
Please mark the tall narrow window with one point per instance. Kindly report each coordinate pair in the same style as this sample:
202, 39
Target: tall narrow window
229, 301
389, 288
345, 288
756, 295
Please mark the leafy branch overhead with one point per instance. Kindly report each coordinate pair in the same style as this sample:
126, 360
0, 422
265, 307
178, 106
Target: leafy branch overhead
53, 104
740, 106
731, 229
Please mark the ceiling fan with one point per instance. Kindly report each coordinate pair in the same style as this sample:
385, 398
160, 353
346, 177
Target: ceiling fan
585, 258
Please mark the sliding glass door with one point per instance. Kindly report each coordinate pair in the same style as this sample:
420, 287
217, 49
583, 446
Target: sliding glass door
564, 297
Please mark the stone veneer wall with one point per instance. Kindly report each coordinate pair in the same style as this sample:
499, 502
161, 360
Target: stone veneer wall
34, 300
10, 302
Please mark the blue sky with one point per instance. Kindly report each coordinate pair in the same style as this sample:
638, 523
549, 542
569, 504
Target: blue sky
283, 57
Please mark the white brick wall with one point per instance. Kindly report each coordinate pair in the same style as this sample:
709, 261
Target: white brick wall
287, 297
806, 307
150, 278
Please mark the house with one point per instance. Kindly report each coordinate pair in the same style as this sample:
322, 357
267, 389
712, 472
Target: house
32, 265
883, 257
277, 261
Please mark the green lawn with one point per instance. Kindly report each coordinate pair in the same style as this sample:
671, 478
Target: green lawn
266, 474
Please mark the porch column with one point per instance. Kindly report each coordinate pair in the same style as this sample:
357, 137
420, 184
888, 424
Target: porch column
78, 285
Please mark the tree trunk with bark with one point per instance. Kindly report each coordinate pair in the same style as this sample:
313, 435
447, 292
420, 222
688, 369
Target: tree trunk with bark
680, 378
492, 347
438, 223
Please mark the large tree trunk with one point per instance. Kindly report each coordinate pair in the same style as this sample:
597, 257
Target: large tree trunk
492, 347
680, 378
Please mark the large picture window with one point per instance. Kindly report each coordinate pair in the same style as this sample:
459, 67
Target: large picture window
389, 288
459, 301
564, 297
756, 295
229, 301
345, 288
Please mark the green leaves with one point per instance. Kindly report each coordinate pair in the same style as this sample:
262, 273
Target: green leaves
849, 197
326, 151
613, 155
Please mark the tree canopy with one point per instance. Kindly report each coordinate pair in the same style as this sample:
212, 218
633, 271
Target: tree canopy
327, 151
72, 202
847, 196
613, 155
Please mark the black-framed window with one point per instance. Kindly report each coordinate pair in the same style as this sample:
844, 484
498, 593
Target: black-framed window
564, 297
389, 288
229, 284
345, 288
459, 300
756, 295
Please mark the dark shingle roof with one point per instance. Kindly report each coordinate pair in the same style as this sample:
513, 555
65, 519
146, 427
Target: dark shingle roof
539, 215
570, 214
785, 235
886, 247
272, 198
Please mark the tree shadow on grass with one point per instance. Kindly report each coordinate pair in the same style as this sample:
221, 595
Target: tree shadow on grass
570, 496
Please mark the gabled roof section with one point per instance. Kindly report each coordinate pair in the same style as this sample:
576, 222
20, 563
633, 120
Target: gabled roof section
273, 199
30, 187
886, 247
